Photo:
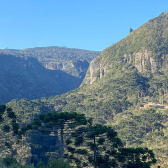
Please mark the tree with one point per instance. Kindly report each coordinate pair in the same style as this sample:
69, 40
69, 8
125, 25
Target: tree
10, 130
58, 163
57, 126
136, 157
131, 30
99, 146
7, 123
102, 146
92, 145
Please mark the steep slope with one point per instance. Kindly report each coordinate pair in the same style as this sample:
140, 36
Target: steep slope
126, 76
25, 78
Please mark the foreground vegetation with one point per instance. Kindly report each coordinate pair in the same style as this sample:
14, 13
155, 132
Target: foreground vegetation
86, 144
53, 163
70, 60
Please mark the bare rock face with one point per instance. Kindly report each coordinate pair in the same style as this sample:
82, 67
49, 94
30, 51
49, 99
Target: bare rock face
97, 69
54, 66
104, 66
93, 72
144, 60
76, 68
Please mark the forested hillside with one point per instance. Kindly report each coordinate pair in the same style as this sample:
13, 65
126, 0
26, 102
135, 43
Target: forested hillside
70, 60
23, 76
125, 77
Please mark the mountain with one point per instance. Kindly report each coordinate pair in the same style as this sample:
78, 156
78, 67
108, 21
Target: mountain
125, 87
70, 60
25, 78
145, 48
41, 72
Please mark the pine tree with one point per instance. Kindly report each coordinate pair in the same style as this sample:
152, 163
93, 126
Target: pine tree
99, 146
131, 30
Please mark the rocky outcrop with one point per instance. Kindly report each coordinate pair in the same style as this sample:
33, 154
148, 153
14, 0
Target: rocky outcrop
54, 66
142, 61
75, 68
93, 72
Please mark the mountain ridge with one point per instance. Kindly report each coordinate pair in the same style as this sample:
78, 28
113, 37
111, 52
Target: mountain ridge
56, 58
61, 76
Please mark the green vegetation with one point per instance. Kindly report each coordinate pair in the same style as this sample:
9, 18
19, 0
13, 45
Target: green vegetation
130, 74
10, 131
54, 53
57, 163
99, 146
58, 58
88, 144
12, 163
58, 70
27, 78
6, 114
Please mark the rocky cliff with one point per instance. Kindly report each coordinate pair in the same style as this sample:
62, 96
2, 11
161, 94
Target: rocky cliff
145, 49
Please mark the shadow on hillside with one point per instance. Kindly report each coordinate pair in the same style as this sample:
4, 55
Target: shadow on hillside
66, 82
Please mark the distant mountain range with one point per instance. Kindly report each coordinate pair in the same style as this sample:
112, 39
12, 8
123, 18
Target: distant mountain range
58, 58
41, 72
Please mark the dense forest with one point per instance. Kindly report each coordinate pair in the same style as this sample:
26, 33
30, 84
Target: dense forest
23, 76
70, 136
58, 58
124, 91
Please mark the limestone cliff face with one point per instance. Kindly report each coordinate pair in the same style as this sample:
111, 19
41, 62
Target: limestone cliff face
142, 61
75, 68
98, 68
54, 66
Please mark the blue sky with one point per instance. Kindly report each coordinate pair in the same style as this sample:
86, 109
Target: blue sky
83, 24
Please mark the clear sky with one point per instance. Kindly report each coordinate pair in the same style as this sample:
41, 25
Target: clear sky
83, 24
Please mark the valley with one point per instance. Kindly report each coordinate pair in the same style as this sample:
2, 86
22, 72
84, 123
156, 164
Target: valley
41, 72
